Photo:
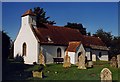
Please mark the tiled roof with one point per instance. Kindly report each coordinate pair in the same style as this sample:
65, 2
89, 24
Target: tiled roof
72, 47
48, 34
91, 40
54, 35
28, 12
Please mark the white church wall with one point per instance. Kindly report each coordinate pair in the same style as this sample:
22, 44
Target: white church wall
72, 57
95, 54
50, 52
104, 55
26, 35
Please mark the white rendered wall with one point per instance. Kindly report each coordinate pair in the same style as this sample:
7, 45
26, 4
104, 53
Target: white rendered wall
72, 57
26, 35
50, 52
95, 54
104, 55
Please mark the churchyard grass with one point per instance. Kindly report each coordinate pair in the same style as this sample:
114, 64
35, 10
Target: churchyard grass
57, 72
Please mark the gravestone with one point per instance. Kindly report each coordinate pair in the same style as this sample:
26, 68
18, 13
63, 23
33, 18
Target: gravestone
113, 62
93, 57
41, 59
90, 64
118, 60
37, 74
106, 75
81, 63
66, 62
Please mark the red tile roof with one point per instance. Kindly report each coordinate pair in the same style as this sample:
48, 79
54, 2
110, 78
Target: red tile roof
28, 12
54, 35
58, 35
73, 46
91, 40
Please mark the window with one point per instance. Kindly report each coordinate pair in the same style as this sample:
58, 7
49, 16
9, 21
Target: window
58, 52
100, 54
24, 49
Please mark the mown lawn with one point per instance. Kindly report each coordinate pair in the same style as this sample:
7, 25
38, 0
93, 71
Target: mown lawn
18, 71
57, 72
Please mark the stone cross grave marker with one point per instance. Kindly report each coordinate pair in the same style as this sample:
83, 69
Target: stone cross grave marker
106, 75
118, 60
81, 63
113, 62
41, 58
66, 62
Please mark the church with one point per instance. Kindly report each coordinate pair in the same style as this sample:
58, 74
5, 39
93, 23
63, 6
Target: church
54, 42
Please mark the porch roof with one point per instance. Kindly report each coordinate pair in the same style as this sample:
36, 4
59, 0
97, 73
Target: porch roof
73, 46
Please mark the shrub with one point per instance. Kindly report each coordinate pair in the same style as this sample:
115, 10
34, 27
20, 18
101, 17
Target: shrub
19, 58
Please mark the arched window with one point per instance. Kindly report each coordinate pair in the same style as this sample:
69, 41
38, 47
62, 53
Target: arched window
24, 49
58, 52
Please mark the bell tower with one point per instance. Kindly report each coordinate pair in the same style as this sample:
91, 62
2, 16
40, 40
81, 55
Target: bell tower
28, 18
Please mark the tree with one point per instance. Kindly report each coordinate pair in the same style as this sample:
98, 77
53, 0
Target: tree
76, 26
41, 16
115, 46
11, 56
89, 33
5, 46
106, 37
112, 42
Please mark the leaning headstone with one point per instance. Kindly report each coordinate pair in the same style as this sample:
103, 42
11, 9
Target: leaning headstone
67, 61
118, 60
41, 59
113, 62
81, 63
106, 75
